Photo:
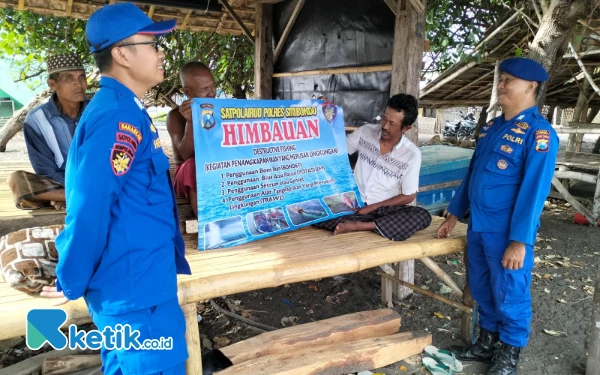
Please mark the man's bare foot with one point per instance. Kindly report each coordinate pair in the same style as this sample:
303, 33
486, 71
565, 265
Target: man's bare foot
353, 226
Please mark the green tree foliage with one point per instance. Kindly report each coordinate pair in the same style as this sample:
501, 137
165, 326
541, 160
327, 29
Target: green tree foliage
27, 38
455, 27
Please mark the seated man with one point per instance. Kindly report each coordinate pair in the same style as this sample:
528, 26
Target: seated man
387, 175
197, 81
48, 130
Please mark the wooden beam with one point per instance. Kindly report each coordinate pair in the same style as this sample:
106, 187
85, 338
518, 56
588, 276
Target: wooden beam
238, 20
417, 6
111, 2
346, 328
426, 292
483, 76
393, 4
263, 52
435, 102
186, 20
576, 176
574, 202
151, 11
69, 7
441, 185
361, 69
69, 364
337, 358
577, 130
288, 28
432, 265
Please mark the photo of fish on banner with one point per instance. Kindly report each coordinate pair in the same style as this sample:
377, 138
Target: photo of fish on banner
266, 221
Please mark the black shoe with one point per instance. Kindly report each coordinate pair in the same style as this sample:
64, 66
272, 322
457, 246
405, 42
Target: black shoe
484, 350
506, 361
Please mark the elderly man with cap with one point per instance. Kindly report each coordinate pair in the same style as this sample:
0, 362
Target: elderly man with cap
48, 130
505, 188
121, 249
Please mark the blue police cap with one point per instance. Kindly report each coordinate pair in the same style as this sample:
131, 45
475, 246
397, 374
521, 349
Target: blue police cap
524, 68
113, 23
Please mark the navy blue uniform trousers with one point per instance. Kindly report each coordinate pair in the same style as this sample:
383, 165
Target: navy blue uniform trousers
503, 295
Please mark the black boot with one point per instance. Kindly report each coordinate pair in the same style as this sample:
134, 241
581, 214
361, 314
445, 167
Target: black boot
506, 361
484, 350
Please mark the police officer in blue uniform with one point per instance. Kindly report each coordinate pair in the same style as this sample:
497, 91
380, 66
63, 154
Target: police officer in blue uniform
121, 249
505, 189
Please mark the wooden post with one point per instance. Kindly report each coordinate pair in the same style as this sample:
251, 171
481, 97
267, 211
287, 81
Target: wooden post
193, 365
409, 41
263, 52
467, 324
493, 107
593, 362
596, 203
579, 112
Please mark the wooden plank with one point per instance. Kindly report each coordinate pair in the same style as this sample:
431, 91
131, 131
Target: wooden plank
69, 363
33, 365
238, 19
288, 28
343, 358
193, 365
441, 185
393, 4
341, 329
263, 52
576, 130
360, 69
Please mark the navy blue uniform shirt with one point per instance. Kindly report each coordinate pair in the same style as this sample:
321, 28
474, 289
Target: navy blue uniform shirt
509, 177
121, 248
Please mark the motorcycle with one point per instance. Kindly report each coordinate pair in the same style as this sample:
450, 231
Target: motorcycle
460, 129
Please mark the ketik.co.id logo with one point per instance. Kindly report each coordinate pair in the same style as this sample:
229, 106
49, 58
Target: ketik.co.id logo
43, 326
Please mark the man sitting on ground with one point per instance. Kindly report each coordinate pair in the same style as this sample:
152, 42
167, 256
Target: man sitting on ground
197, 81
48, 131
387, 175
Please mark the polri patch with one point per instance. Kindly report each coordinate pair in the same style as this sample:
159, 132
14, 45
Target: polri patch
131, 129
542, 140
502, 164
121, 158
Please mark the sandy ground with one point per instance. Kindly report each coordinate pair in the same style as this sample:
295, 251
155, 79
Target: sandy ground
567, 260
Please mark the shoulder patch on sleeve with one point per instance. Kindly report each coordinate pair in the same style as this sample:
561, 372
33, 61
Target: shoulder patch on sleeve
128, 140
121, 158
131, 129
542, 140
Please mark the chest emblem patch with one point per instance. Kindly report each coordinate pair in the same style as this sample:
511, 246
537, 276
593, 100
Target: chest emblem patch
502, 164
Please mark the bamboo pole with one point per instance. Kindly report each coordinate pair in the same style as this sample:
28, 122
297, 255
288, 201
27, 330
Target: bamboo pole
362, 69
186, 19
435, 296
596, 207
393, 4
288, 29
238, 20
151, 11
574, 202
576, 176
472, 63
193, 365
69, 7
432, 265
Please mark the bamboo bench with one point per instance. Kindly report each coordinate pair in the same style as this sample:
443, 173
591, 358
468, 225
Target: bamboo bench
301, 255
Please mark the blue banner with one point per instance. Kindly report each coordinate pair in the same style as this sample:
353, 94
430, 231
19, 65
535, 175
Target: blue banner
265, 167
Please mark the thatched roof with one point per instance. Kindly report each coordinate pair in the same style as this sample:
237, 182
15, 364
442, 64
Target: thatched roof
191, 15
470, 83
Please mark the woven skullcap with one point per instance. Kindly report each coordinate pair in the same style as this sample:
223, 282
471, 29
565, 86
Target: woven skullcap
64, 61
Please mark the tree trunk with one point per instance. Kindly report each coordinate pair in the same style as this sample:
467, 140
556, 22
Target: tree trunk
482, 117
554, 33
15, 123
550, 116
